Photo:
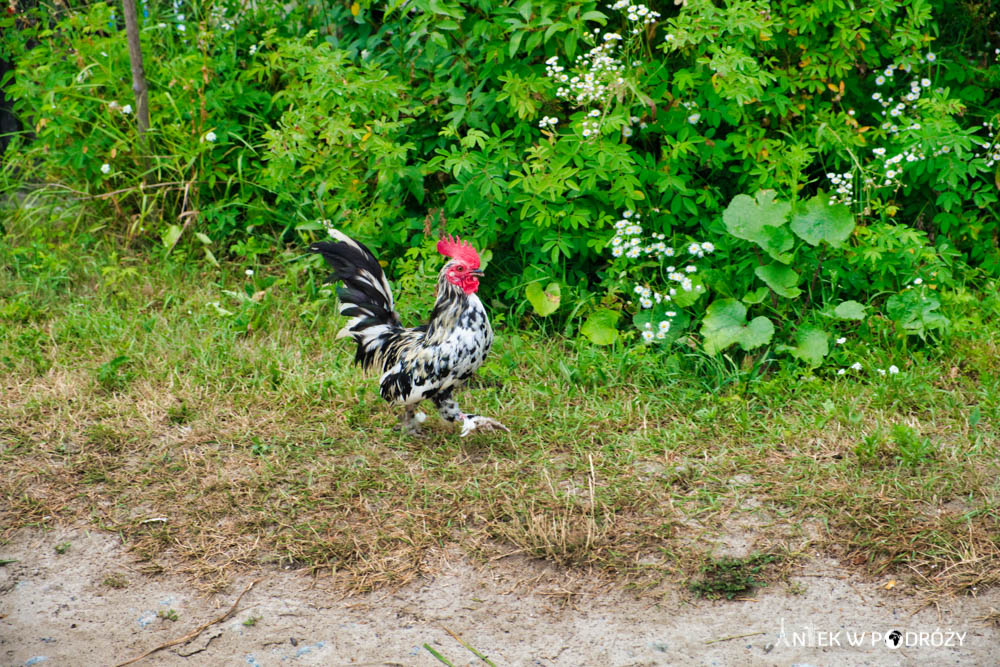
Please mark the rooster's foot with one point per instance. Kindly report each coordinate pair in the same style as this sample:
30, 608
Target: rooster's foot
410, 422
479, 423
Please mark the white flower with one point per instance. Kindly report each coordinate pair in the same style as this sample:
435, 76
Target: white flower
668, 37
617, 251
647, 336
893, 370
918, 281
881, 371
670, 313
627, 214
856, 366
691, 268
876, 96
626, 132
594, 113
841, 371
210, 136
249, 272
694, 249
664, 326
925, 82
660, 335
708, 247
694, 118
841, 340
638, 289
253, 49
879, 80
127, 109
646, 302
181, 28
878, 151
105, 168
931, 57
364, 54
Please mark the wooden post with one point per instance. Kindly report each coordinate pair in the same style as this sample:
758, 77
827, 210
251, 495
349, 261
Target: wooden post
138, 74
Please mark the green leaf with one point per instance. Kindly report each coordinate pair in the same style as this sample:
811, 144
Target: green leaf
758, 333
747, 218
725, 324
780, 278
211, 257
515, 43
755, 297
776, 242
544, 302
849, 310
171, 236
811, 346
601, 326
818, 221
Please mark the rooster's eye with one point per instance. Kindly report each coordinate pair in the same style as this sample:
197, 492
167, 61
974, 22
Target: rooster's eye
460, 268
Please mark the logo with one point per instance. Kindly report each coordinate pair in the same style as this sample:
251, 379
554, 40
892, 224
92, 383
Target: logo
894, 639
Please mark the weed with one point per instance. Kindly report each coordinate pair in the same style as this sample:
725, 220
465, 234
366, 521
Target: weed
251, 621
871, 447
913, 449
115, 375
63, 548
730, 577
168, 614
116, 580
180, 413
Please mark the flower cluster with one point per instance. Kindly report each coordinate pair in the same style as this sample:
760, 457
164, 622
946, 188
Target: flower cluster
548, 122
592, 123
637, 13
599, 70
856, 366
662, 328
122, 109
843, 185
991, 147
887, 169
626, 240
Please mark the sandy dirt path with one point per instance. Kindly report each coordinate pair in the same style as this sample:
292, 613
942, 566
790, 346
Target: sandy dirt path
58, 609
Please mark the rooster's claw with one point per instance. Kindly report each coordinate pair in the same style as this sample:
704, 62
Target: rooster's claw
480, 423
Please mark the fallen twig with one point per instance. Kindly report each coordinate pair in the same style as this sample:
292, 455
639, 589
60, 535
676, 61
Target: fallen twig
194, 633
725, 639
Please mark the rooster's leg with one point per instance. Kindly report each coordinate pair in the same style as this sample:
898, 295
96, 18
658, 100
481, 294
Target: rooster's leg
410, 420
449, 411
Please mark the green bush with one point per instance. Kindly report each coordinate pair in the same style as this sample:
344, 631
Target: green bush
829, 154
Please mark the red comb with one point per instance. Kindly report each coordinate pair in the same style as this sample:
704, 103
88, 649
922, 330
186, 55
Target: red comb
456, 248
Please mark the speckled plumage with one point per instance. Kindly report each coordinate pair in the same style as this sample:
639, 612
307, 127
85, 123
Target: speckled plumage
424, 362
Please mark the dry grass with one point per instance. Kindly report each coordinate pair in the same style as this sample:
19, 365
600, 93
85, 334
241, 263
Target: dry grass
212, 449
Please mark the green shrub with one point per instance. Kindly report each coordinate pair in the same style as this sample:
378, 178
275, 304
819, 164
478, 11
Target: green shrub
529, 127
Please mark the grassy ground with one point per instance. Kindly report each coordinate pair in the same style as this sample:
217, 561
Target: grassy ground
214, 430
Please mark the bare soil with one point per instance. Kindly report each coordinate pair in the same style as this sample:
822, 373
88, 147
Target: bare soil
92, 605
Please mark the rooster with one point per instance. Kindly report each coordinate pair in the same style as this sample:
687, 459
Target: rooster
425, 362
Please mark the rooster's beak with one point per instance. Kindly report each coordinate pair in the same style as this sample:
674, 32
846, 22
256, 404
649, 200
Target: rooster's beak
477, 272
